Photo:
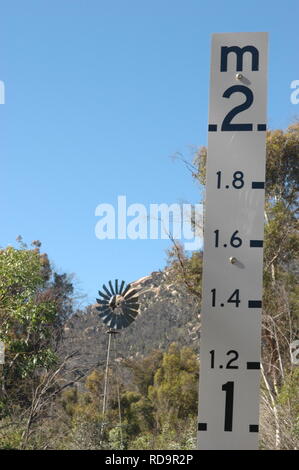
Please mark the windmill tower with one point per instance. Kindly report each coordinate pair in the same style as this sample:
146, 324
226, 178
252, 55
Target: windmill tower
118, 307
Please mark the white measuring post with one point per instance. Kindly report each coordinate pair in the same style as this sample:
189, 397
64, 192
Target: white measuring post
230, 342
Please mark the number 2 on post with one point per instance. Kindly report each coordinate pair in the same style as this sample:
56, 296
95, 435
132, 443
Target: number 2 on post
226, 124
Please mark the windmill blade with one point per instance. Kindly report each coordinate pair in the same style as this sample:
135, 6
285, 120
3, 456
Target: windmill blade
108, 319
102, 302
128, 318
113, 323
121, 287
130, 293
112, 302
103, 312
125, 321
132, 307
104, 308
118, 323
101, 308
104, 318
111, 287
126, 290
132, 300
132, 313
104, 295
116, 286
122, 322
107, 290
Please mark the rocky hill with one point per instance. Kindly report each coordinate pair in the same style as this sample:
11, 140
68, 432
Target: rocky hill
168, 313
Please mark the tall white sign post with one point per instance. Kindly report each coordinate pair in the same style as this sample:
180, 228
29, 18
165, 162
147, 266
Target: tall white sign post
233, 244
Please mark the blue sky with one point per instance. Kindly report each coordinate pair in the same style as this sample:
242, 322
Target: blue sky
99, 95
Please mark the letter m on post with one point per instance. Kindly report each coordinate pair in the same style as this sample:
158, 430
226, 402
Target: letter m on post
239, 51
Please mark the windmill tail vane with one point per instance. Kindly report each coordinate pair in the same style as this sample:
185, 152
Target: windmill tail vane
118, 305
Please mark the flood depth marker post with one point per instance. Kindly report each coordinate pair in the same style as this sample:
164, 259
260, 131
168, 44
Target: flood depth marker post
230, 343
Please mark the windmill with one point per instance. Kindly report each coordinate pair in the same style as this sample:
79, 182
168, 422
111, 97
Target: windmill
118, 307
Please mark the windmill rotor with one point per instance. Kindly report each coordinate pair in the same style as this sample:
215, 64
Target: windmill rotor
118, 305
